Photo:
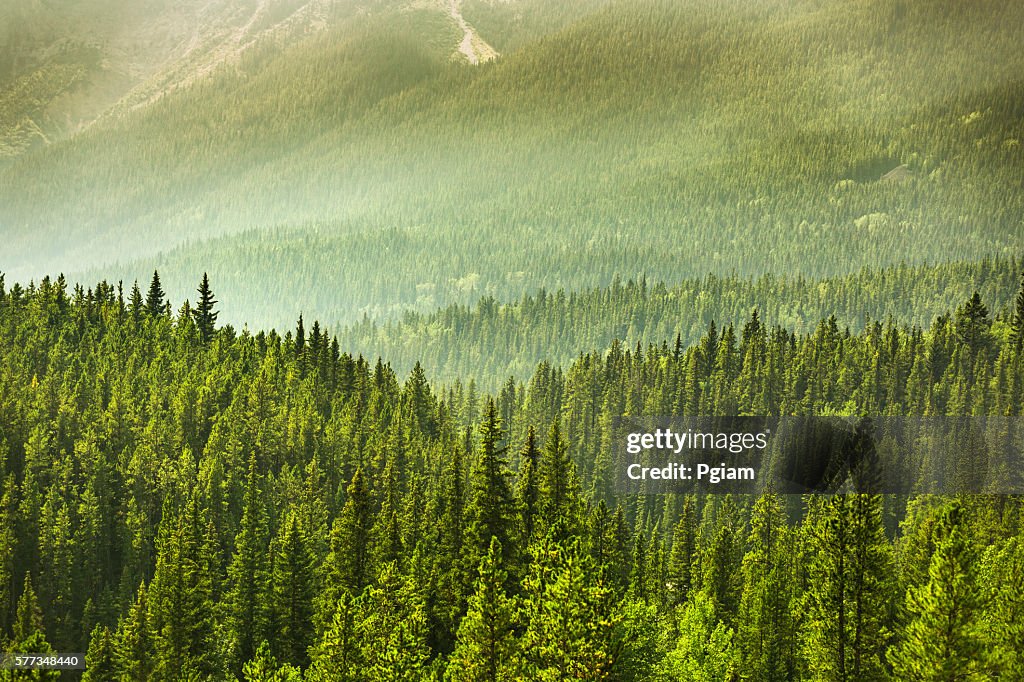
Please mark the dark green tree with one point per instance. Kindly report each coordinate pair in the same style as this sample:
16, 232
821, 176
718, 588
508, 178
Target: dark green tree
155, 298
487, 646
205, 315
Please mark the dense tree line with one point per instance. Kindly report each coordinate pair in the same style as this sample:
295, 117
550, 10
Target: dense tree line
251, 506
490, 341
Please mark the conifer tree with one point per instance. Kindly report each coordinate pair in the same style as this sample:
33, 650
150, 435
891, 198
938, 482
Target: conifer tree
135, 304
133, 649
100, 658
1017, 320
29, 637
972, 324
491, 505
263, 667
765, 634
337, 657
527, 486
706, 649
558, 486
180, 597
293, 591
486, 648
155, 298
393, 630
684, 549
205, 315
944, 638
849, 597
571, 617
247, 620
347, 565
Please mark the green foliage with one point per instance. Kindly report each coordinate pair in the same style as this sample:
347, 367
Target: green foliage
706, 650
487, 647
213, 495
945, 637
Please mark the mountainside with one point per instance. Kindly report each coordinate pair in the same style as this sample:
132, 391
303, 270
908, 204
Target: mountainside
666, 139
66, 64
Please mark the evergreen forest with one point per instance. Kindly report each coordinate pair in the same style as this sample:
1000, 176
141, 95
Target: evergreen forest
319, 320
184, 500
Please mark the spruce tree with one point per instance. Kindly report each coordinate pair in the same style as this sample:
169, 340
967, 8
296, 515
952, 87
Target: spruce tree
765, 628
486, 648
100, 658
133, 648
293, 591
205, 315
527, 486
944, 639
155, 298
571, 617
684, 550
135, 304
337, 657
1017, 321
848, 602
558, 486
491, 505
393, 630
247, 620
348, 564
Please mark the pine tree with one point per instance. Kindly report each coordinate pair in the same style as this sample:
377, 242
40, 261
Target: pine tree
393, 630
1003, 590
180, 597
571, 617
944, 639
527, 486
972, 324
337, 657
205, 316
100, 658
1017, 321
486, 649
292, 594
247, 620
491, 505
7, 539
155, 298
29, 637
848, 602
765, 629
558, 487
684, 550
133, 649
706, 649
135, 304
263, 667
347, 567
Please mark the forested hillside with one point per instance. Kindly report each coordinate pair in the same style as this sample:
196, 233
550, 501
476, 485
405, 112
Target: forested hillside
191, 502
666, 139
490, 341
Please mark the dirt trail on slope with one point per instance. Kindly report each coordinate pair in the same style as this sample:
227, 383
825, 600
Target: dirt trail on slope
475, 48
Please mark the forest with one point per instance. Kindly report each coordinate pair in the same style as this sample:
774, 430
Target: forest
184, 500
490, 340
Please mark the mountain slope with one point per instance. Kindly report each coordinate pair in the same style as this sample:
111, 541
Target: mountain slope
657, 138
